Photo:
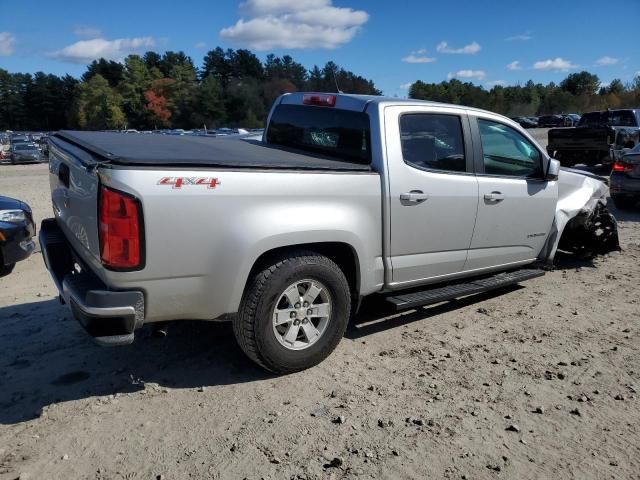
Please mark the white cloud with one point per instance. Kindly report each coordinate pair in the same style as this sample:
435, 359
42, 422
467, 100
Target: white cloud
200, 45
554, 64
515, 65
7, 44
477, 74
275, 7
87, 31
275, 24
606, 60
520, 38
85, 51
495, 83
471, 49
418, 57
406, 86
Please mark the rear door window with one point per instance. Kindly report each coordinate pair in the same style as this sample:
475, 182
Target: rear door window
433, 142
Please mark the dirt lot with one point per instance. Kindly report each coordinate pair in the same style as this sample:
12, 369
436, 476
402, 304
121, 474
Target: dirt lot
536, 381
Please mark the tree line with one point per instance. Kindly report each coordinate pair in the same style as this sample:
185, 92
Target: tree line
234, 88
230, 88
577, 93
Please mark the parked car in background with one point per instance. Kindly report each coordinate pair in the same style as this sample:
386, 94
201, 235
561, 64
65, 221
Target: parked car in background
599, 137
16, 233
549, 121
571, 119
25, 153
525, 122
624, 182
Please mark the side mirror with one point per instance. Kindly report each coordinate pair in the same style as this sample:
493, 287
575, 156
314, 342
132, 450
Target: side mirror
553, 170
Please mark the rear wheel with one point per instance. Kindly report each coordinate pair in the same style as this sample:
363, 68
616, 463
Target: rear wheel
624, 203
293, 313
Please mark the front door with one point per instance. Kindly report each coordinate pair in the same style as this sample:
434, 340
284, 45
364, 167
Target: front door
433, 194
516, 206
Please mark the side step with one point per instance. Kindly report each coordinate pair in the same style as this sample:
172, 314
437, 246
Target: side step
442, 294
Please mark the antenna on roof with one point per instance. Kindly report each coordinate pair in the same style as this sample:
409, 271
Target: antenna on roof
335, 80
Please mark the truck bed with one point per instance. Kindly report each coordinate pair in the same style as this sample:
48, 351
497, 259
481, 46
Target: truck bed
167, 150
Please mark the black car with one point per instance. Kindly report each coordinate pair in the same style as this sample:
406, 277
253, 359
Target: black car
624, 182
25, 153
16, 232
547, 121
525, 122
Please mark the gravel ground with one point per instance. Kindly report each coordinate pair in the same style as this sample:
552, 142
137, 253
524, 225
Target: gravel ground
538, 381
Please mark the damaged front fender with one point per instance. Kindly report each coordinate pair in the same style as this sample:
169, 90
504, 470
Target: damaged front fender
582, 223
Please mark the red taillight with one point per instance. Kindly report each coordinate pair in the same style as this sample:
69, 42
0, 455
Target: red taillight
622, 167
319, 99
120, 230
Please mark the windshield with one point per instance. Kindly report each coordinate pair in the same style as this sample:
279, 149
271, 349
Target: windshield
343, 134
25, 146
620, 118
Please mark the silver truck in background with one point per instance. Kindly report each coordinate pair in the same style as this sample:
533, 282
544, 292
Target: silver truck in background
344, 197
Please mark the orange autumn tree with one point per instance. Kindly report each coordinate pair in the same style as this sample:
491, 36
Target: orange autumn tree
157, 102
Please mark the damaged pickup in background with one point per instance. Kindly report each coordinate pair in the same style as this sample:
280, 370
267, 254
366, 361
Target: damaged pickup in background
600, 137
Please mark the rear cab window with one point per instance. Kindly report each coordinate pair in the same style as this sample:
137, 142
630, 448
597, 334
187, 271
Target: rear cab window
332, 132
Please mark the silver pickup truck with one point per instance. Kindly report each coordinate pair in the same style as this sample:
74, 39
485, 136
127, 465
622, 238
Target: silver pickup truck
344, 196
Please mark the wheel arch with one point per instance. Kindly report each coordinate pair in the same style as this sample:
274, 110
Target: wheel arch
342, 253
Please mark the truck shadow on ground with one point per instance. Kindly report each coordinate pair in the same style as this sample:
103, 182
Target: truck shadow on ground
377, 315
46, 357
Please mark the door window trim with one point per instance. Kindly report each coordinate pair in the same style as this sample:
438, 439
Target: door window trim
479, 153
466, 142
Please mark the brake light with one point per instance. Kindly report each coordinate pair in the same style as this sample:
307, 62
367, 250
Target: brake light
120, 230
620, 166
319, 99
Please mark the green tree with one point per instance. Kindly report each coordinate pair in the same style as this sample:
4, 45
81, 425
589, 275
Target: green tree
99, 106
112, 71
208, 108
583, 83
136, 80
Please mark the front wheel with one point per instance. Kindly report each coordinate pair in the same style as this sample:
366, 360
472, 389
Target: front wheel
293, 313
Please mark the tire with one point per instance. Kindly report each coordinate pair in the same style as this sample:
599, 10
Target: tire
254, 327
624, 203
6, 269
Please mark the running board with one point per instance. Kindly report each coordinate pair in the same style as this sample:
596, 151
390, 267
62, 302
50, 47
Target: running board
442, 294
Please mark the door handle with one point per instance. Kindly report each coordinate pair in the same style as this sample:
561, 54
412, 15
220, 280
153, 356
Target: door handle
494, 197
414, 196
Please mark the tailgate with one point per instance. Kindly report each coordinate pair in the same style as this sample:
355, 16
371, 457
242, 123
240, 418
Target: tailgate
581, 138
74, 193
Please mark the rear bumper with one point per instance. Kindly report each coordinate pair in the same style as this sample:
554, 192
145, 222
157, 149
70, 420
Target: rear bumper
110, 317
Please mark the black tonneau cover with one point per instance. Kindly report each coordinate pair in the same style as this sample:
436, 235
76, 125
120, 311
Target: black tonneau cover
173, 150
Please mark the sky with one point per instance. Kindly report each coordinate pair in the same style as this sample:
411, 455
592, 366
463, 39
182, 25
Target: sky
487, 42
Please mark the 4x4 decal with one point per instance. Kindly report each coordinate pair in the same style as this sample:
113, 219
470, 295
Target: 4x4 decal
179, 182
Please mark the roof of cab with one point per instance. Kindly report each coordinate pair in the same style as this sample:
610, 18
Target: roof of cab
350, 101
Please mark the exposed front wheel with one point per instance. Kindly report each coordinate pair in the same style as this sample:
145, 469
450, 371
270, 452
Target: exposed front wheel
293, 313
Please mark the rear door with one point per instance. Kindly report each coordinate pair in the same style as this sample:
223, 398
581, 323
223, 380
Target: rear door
433, 194
516, 206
